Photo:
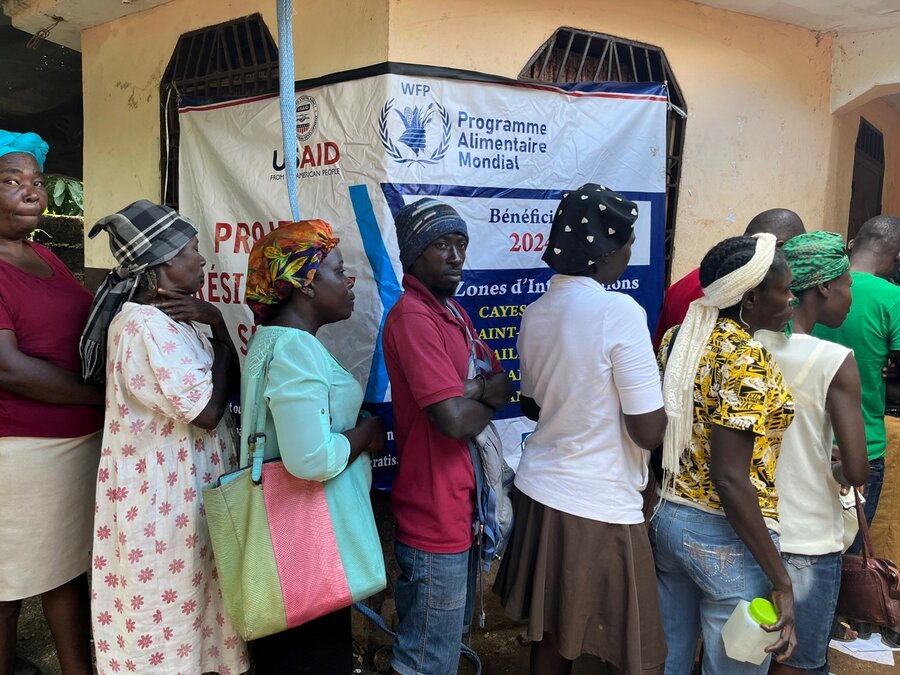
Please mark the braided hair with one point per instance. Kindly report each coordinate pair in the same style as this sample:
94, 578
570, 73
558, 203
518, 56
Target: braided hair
731, 254
149, 281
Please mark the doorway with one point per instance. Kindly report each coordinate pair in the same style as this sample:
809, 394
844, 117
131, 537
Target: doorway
868, 177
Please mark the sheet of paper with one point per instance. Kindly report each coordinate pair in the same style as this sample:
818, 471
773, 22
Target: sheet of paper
873, 650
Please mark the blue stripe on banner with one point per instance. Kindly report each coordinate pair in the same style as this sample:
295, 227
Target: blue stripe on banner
394, 191
389, 289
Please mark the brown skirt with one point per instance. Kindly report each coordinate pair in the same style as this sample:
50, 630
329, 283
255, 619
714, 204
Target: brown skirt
589, 584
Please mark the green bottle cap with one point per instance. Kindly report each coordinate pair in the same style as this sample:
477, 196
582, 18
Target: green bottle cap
763, 612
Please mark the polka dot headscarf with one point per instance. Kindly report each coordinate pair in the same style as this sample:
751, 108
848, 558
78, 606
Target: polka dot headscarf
590, 222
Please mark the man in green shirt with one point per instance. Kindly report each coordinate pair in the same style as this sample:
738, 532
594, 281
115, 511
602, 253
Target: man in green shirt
872, 331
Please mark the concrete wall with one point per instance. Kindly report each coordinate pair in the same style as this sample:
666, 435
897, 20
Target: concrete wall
124, 61
866, 66
759, 127
64, 236
884, 118
760, 131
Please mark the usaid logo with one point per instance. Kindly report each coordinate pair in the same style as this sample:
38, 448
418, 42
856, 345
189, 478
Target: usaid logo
417, 133
307, 117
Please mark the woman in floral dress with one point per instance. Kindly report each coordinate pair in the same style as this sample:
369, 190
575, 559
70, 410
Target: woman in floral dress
156, 602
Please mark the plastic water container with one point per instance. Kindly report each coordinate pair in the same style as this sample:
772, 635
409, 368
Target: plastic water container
744, 639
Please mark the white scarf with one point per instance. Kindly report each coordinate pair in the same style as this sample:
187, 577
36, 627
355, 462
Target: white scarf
686, 352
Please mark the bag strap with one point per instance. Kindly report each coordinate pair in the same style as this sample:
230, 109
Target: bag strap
480, 530
476, 365
670, 346
887, 569
867, 549
256, 441
671, 343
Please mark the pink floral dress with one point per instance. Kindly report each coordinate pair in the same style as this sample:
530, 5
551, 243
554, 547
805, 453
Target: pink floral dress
156, 602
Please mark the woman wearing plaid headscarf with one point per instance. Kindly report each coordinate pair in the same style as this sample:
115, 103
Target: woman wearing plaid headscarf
157, 606
297, 283
49, 448
824, 379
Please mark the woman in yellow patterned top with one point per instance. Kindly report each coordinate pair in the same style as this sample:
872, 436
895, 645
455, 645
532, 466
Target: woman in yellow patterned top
715, 532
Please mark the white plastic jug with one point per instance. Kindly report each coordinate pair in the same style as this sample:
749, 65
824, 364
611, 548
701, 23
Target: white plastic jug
744, 639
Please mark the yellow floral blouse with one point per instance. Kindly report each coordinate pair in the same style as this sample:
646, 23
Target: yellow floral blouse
738, 385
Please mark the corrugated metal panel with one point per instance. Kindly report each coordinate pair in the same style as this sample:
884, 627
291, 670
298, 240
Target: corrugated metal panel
870, 142
230, 60
572, 55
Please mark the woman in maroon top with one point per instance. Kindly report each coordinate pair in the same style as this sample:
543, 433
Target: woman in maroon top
49, 421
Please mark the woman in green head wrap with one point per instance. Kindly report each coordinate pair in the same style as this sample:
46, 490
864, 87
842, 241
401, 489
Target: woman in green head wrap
825, 382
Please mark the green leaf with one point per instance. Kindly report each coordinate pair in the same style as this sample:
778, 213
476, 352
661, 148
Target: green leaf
76, 192
59, 188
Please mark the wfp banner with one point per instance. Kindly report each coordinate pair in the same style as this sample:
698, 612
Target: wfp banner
500, 152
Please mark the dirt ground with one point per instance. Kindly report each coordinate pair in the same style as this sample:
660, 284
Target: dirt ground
498, 646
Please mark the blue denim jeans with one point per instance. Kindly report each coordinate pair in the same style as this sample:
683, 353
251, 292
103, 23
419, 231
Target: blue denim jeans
816, 580
434, 597
703, 570
873, 494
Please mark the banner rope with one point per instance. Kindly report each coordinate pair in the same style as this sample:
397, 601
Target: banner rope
288, 100
671, 106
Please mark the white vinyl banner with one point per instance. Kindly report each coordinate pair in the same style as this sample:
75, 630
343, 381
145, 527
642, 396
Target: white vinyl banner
500, 152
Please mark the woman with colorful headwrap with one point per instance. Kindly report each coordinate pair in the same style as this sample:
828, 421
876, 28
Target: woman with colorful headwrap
715, 531
297, 283
49, 421
824, 379
578, 565
157, 606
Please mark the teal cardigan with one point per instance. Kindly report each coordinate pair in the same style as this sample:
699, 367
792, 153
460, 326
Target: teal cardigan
311, 400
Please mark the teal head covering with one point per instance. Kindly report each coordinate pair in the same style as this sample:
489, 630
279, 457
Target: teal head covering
29, 143
815, 258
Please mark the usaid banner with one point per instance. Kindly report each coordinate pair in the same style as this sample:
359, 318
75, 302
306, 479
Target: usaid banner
500, 152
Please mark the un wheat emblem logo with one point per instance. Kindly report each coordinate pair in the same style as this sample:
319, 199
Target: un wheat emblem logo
415, 122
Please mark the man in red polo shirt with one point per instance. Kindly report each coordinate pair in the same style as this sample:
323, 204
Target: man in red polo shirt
427, 338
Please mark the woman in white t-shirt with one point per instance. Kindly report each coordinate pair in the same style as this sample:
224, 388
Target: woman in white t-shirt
579, 565
824, 380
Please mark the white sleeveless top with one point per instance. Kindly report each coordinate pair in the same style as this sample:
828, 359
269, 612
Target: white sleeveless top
809, 508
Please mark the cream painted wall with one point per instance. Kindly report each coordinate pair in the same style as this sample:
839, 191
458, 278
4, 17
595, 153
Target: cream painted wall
123, 63
884, 118
759, 129
866, 66
760, 132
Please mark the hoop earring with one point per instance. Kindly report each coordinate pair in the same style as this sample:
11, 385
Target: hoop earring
741, 317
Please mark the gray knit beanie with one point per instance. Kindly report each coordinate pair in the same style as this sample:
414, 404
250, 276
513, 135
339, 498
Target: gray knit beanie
420, 223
